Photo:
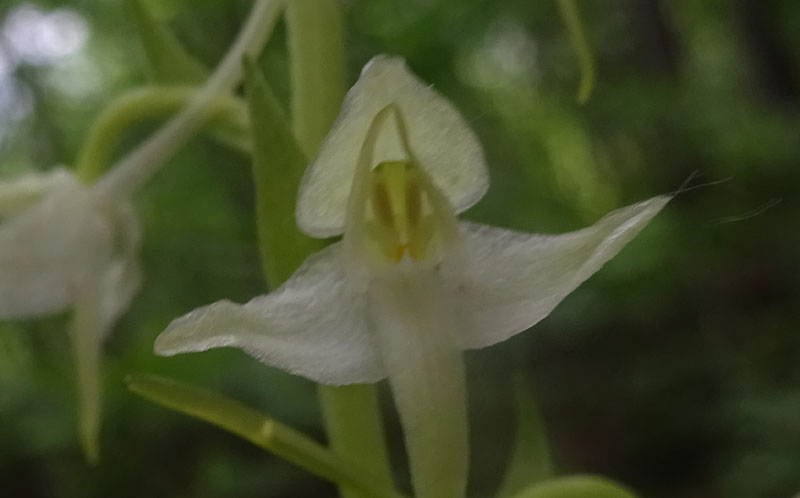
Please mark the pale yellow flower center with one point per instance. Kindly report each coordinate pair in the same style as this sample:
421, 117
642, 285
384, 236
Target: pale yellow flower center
399, 216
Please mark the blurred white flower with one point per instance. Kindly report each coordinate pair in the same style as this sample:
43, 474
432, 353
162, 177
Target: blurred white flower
62, 248
57, 243
409, 287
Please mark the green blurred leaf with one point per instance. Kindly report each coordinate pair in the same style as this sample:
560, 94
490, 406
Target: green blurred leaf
530, 460
578, 486
278, 165
169, 61
257, 428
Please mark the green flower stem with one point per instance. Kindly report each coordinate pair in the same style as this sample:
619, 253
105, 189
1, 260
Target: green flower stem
259, 430
351, 413
317, 69
577, 36
86, 340
225, 113
136, 168
353, 423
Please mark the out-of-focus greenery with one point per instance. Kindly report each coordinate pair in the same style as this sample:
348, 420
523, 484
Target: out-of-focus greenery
674, 370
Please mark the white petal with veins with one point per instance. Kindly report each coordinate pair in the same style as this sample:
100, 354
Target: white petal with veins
314, 325
516, 279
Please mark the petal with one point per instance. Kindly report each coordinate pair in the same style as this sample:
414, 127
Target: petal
516, 279
20, 193
314, 325
441, 139
51, 252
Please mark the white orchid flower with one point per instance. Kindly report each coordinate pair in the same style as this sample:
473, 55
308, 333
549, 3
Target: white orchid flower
57, 242
409, 287
61, 247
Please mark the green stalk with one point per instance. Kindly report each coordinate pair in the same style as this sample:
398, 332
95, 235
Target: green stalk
226, 114
351, 413
86, 340
353, 424
317, 63
577, 35
260, 430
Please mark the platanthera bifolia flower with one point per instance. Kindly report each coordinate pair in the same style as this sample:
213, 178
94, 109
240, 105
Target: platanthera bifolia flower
409, 287
61, 248
57, 243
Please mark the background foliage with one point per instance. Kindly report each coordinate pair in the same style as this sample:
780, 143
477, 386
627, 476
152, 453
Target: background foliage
673, 370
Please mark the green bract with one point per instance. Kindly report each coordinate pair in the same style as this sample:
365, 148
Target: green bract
409, 287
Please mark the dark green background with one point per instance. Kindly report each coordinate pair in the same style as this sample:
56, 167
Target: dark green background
674, 370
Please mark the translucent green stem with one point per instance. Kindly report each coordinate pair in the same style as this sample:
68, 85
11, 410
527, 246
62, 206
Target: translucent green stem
259, 430
86, 340
351, 413
226, 112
